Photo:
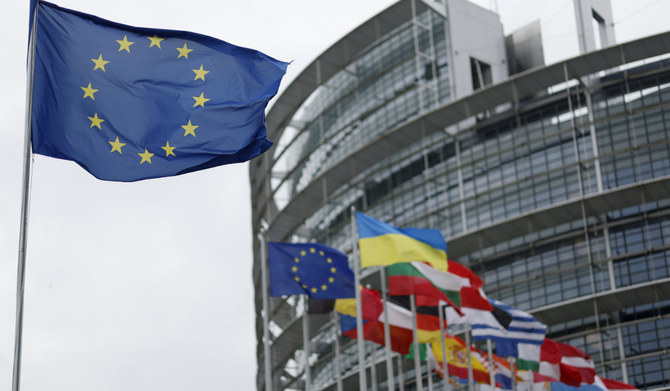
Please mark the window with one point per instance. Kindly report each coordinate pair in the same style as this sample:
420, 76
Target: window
481, 73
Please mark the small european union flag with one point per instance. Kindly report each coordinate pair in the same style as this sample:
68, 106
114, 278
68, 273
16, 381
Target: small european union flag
129, 103
313, 269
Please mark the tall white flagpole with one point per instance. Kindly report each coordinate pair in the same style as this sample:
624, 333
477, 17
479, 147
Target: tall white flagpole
415, 334
305, 343
492, 375
512, 361
373, 368
359, 308
471, 377
430, 375
338, 368
387, 333
445, 367
25, 206
266, 311
401, 373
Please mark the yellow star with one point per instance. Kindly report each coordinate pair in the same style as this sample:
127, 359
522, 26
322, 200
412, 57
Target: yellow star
99, 63
168, 149
95, 121
294, 269
312, 250
314, 290
125, 44
116, 146
303, 253
323, 287
332, 270
296, 278
184, 51
331, 279
89, 91
155, 41
200, 100
200, 73
146, 156
190, 128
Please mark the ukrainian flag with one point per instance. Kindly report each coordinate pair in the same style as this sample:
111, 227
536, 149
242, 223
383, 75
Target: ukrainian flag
382, 244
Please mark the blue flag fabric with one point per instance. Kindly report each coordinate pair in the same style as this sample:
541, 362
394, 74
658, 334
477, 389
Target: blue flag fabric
129, 103
348, 323
313, 269
31, 16
558, 386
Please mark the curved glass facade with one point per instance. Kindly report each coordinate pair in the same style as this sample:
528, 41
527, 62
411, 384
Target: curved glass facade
390, 82
558, 198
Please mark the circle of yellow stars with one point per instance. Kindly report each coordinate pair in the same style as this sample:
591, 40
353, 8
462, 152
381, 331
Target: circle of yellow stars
189, 128
296, 268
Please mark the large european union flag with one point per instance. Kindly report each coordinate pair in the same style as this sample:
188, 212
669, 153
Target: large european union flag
129, 103
313, 269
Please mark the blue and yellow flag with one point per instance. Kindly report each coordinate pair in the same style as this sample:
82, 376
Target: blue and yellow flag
382, 244
313, 269
129, 103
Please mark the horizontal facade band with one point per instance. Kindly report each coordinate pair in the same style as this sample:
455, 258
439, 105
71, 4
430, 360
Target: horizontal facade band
307, 201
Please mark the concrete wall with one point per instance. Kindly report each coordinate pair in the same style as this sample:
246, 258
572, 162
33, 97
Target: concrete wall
524, 48
589, 38
475, 32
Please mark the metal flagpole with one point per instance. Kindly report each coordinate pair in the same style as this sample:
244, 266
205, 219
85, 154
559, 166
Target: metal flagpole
338, 368
266, 311
305, 343
512, 361
401, 373
492, 375
359, 310
373, 367
25, 206
387, 333
430, 375
445, 367
471, 377
415, 334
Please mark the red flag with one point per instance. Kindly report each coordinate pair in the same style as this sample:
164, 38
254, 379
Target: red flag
371, 303
472, 298
465, 272
566, 363
613, 385
373, 331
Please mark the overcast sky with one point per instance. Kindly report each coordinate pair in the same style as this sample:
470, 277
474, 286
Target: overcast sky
147, 286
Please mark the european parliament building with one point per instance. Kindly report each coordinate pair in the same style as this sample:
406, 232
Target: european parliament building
551, 182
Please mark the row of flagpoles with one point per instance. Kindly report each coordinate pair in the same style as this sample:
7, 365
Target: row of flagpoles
422, 292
